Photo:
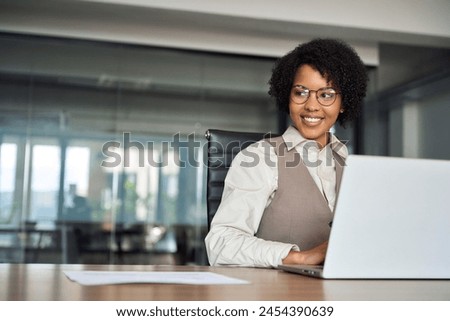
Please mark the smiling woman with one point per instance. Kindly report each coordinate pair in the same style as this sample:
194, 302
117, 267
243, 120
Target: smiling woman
335, 61
280, 211
311, 118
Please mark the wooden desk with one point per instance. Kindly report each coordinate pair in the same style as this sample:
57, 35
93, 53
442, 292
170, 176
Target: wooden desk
47, 282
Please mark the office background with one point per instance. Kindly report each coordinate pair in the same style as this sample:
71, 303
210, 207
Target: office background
84, 83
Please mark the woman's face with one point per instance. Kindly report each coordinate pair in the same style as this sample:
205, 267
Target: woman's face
311, 119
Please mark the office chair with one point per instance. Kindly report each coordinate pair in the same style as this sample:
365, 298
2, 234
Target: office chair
223, 146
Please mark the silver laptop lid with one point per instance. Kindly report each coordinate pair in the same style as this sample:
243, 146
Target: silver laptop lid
392, 220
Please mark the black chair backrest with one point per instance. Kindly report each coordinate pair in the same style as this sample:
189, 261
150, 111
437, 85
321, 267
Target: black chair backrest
223, 146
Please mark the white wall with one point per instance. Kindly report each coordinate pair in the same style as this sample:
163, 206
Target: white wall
267, 28
428, 18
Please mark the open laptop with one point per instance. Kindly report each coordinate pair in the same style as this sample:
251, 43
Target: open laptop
391, 221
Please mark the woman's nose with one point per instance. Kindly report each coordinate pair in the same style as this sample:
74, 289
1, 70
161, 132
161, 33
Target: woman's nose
312, 104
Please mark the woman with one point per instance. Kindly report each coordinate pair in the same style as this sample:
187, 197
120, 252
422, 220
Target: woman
278, 209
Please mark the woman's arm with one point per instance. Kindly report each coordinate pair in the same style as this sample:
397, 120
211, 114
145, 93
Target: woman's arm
249, 185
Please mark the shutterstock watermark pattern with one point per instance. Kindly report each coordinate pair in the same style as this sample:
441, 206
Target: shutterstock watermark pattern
190, 152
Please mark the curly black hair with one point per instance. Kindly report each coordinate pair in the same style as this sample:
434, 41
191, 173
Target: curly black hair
336, 61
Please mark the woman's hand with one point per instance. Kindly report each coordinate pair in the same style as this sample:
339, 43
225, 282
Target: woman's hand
313, 256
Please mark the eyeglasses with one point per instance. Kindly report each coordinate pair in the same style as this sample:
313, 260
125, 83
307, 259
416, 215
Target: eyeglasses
325, 96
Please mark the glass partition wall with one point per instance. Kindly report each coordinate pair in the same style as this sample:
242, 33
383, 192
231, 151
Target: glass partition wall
102, 153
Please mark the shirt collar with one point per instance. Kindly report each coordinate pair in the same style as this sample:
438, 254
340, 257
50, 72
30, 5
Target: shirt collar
292, 138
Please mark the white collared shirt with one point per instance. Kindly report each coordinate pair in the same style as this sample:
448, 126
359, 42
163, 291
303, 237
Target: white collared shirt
249, 190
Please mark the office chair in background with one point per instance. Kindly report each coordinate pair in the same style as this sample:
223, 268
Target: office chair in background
223, 146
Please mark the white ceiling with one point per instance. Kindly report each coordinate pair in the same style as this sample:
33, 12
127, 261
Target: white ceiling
262, 28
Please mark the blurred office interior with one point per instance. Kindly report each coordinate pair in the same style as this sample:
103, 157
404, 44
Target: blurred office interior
104, 105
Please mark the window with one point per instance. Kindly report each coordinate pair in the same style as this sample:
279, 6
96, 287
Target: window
45, 172
8, 158
102, 157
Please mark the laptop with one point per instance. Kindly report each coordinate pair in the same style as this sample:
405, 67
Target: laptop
391, 221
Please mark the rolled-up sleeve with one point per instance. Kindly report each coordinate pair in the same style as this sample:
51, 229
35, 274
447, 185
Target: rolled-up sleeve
249, 187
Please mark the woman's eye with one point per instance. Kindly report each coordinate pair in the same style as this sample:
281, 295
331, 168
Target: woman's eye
327, 95
302, 93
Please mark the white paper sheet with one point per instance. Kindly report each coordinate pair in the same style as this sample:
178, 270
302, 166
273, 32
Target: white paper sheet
122, 277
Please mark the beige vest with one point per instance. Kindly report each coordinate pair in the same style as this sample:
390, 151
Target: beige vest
298, 213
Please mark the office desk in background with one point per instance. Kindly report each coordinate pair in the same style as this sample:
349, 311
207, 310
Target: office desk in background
47, 282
